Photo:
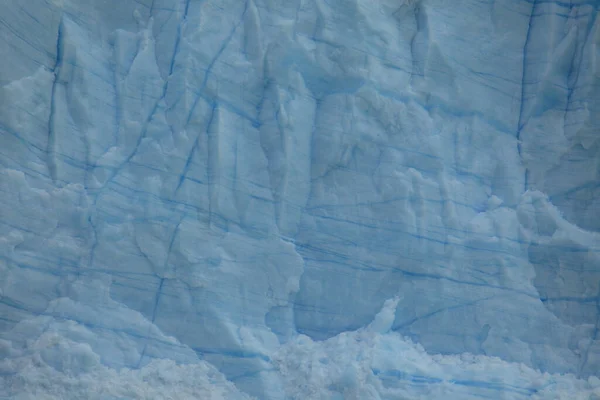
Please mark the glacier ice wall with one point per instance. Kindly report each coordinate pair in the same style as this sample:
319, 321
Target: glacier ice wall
202, 181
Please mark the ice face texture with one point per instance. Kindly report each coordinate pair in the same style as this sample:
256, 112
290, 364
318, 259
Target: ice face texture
300, 199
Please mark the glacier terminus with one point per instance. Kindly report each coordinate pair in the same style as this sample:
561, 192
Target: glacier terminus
300, 199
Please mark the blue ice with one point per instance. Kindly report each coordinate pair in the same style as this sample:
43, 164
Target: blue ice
300, 199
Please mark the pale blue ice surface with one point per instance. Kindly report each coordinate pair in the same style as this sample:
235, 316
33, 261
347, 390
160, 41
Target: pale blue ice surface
300, 199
